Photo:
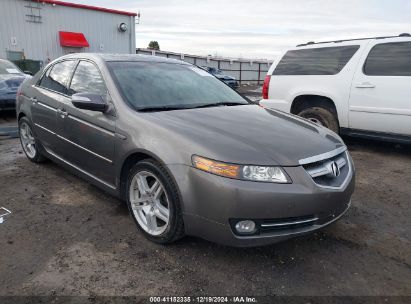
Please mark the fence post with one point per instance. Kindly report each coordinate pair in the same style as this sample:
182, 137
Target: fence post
240, 71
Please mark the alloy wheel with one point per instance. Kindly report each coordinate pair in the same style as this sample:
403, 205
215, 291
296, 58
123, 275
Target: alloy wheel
27, 140
149, 202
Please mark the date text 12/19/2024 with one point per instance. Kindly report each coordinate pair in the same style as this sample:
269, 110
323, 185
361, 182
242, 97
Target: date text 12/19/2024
203, 299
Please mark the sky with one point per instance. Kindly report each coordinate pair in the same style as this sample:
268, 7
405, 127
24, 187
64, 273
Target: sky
257, 28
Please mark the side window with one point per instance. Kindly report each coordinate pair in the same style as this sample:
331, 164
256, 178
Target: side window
87, 79
389, 59
43, 80
57, 77
315, 61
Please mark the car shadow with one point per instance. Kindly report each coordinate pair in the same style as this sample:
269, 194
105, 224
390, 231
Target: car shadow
368, 145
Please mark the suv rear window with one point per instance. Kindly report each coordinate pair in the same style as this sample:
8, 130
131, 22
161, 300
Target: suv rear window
318, 61
389, 59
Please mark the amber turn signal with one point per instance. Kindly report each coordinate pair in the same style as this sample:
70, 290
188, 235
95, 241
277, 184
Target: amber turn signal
216, 167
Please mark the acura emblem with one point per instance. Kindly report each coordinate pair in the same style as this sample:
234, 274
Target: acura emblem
335, 170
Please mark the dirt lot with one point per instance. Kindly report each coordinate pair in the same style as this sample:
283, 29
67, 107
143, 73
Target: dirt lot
66, 237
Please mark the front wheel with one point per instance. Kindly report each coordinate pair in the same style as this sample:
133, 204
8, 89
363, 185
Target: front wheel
154, 202
321, 116
28, 141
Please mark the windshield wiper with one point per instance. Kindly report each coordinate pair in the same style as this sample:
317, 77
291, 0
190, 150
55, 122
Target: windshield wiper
222, 103
160, 108
190, 106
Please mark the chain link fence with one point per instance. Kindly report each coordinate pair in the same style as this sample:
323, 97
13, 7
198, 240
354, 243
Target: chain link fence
246, 71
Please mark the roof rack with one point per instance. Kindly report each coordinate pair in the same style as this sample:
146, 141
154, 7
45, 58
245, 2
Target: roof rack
356, 39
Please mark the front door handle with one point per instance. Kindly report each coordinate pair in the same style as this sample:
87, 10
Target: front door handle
365, 85
62, 113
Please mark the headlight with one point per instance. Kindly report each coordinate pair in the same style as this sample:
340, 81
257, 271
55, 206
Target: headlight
247, 172
3, 86
265, 174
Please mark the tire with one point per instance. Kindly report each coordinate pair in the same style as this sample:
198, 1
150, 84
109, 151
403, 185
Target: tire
30, 144
147, 204
321, 116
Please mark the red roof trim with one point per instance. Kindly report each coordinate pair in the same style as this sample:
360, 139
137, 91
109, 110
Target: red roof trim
89, 7
72, 39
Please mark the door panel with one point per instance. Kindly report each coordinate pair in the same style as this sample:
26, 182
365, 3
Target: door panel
46, 98
87, 140
43, 115
87, 137
380, 93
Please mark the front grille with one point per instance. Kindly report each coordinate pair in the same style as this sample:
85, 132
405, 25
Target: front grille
331, 172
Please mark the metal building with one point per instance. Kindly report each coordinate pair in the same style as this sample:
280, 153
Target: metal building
42, 30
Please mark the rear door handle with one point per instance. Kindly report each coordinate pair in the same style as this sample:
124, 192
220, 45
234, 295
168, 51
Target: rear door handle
62, 113
33, 100
365, 85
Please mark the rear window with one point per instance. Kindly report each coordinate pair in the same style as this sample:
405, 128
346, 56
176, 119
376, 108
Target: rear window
389, 59
318, 61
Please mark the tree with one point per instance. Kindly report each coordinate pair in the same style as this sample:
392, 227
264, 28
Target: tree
153, 45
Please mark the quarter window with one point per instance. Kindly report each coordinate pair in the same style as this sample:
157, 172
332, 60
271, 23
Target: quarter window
317, 61
57, 77
389, 59
87, 79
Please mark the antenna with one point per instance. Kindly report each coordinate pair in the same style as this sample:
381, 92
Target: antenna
138, 18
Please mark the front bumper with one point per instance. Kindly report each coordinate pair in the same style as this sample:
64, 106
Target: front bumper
211, 204
8, 101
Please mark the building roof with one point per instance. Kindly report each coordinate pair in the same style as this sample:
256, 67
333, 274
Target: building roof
89, 7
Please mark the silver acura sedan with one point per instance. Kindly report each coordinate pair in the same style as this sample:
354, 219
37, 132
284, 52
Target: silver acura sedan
188, 154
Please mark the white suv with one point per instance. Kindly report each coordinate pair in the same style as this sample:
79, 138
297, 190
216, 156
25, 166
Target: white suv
356, 87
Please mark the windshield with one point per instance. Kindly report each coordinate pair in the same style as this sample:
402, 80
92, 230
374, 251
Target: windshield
6, 67
169, 85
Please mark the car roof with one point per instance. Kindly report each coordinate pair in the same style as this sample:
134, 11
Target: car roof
121, 57
4, 60
357, 41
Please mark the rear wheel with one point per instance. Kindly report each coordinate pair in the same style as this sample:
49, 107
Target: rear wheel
321, 116
154, 203
29, 142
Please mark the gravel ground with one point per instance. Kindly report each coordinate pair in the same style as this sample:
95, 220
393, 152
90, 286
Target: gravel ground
66, 237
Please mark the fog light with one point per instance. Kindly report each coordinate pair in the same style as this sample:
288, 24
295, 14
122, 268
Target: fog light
245, 227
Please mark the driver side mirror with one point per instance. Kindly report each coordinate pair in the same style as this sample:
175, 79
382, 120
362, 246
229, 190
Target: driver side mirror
89, 101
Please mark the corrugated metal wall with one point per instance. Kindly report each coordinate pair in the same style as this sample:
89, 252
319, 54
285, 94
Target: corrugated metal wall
40, 41
247, 71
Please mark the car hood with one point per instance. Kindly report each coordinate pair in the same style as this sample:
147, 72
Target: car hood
247, 134
11, 81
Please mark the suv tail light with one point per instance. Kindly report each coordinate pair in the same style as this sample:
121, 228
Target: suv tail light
265, 86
